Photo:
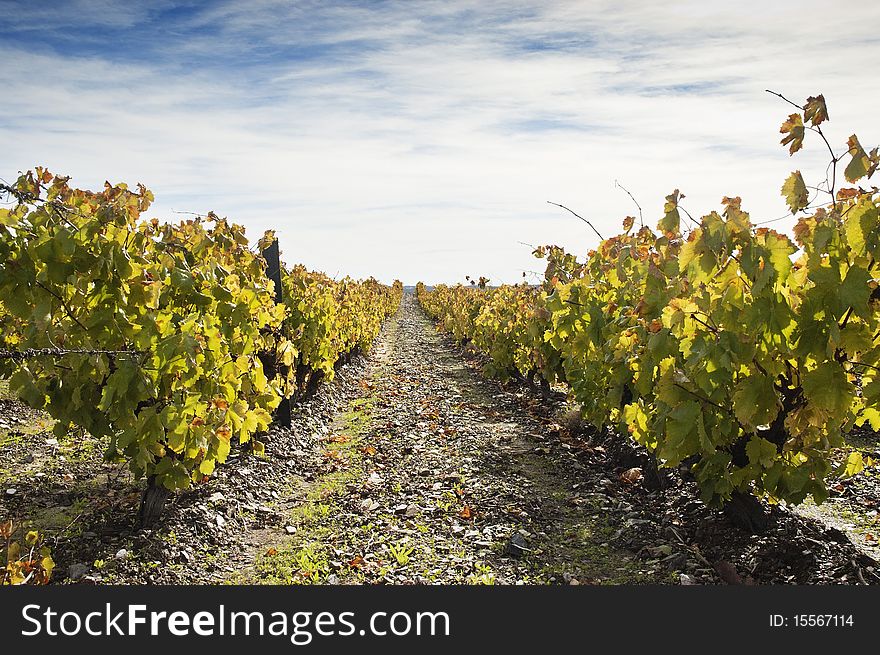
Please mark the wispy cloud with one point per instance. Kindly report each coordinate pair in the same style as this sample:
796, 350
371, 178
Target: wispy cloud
421, 140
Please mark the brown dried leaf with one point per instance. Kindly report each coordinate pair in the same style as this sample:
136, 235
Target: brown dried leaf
815, 110
631, 476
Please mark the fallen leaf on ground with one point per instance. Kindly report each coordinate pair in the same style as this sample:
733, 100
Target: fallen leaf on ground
631, 476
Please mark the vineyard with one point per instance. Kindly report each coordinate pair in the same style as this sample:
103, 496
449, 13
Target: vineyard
692, 403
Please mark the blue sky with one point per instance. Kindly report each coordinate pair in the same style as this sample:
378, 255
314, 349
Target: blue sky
421, 140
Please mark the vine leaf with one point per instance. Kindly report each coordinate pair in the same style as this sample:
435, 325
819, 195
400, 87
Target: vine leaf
793, 129
827, 388
815, 110
671, 221
871, 416
855, 464
860, 226
861, 164
854, 290
761, 452
754, 401
795, 192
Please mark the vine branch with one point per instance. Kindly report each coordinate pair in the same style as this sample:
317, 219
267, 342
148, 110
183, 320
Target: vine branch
580, 217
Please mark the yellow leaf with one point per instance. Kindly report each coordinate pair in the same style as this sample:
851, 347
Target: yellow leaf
855, 463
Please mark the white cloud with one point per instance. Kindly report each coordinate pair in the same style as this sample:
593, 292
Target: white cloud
421, 140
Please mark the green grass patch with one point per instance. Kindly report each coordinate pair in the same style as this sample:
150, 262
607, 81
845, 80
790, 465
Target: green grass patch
307, 564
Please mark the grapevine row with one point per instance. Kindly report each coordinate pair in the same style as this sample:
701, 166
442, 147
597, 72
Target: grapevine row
153, 336
734, 349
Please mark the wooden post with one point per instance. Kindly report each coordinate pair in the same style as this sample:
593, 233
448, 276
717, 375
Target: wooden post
273, 271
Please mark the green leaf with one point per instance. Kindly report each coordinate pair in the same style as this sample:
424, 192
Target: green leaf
861, 225
856, 338
761, 452
682, 439
795, 192
22, 383
780, 249
754, 400
861, 164
8, 218
150, 424
854, 290
116, 390
671, 221
827, 388
176, 477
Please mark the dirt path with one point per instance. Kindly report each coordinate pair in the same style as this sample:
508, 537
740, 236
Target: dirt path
433, 474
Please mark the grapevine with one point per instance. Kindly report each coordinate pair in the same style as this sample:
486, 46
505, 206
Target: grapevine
150, 336
737, 350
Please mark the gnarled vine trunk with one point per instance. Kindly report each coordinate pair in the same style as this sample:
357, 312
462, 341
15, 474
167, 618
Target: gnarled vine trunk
152, 502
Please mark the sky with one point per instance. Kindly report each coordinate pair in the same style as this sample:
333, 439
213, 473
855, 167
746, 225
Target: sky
422, 140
